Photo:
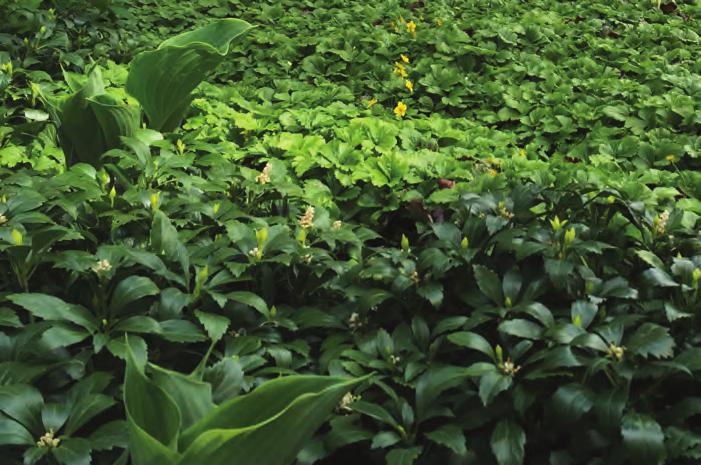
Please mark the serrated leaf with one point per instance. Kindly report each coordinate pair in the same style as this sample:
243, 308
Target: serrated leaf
651, 339
214, 325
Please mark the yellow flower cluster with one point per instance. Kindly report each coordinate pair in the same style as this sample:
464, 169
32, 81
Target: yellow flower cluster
400, 109
48, 440
615, 351
400, 70
411, 28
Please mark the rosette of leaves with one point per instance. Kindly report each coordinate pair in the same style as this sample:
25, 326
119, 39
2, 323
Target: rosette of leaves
90, 121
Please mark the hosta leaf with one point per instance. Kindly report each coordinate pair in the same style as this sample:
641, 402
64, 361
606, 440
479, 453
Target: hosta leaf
508, 443
115, 119
643, 439
193, 397
154, 418
268, 426
91, 122
162, 79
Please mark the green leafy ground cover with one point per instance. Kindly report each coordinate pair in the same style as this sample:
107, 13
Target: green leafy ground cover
515, 259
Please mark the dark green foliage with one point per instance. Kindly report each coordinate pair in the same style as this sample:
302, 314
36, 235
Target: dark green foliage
515, 263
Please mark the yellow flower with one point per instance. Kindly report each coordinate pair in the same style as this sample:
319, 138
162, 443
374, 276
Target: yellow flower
439, 22
48, 440
409, 85
404, 58
411, 27
400, 70
522, 153
371, 102
671, 158
492, 172
400, 109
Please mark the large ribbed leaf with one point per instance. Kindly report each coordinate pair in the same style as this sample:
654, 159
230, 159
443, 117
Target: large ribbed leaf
91, 122
266, 427
152, 416
115, 119
162, 79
